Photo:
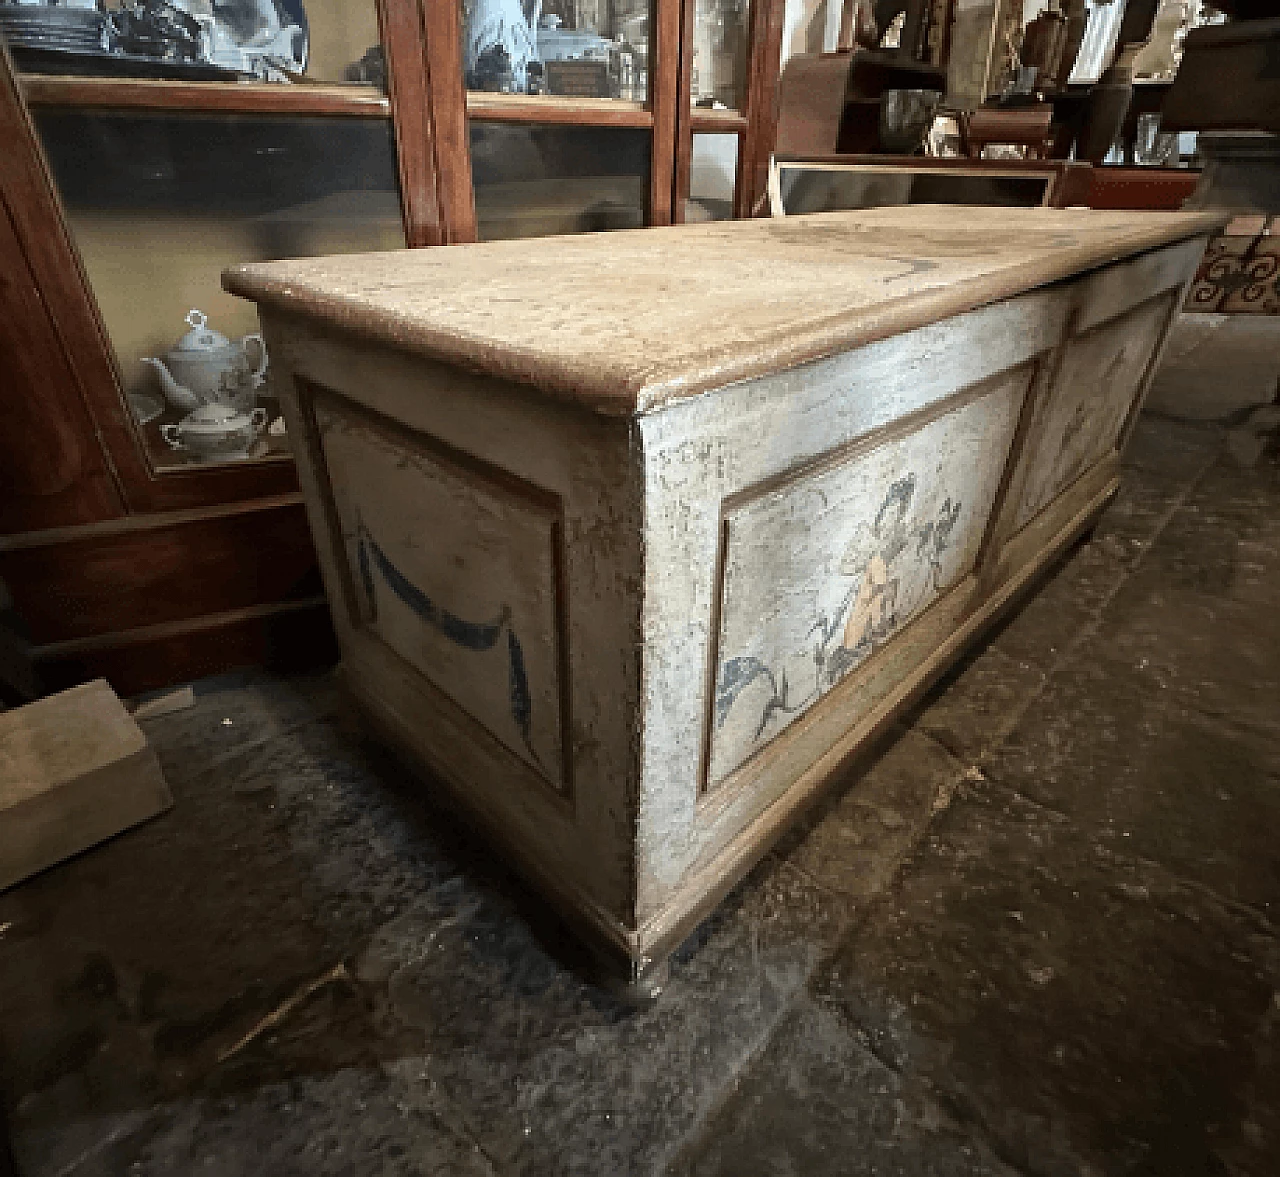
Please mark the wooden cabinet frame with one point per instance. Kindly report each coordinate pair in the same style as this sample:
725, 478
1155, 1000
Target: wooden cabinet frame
431, 109
77, 482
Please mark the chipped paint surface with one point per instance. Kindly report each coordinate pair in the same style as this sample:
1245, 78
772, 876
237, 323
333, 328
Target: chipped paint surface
457, 576
714, 597
824, 571
697, 456
1100, 374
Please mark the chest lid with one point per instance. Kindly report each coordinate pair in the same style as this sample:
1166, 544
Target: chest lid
626, 322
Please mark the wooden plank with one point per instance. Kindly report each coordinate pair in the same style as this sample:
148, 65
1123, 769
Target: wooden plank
129, 524
75, 769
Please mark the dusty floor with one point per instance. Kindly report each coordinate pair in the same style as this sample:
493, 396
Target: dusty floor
1037, 936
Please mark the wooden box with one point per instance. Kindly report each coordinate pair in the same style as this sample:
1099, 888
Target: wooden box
633, 538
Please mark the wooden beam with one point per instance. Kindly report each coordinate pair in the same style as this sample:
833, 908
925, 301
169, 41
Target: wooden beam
442, 39
760, 105
410, 93
665, 78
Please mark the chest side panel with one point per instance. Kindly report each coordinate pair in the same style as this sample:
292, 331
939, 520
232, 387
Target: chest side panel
821, 572
453, 566
1102, 372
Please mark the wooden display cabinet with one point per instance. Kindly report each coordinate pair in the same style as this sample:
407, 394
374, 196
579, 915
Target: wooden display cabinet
121, 200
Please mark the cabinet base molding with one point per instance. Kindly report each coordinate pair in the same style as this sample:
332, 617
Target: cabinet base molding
150, 600
290, 636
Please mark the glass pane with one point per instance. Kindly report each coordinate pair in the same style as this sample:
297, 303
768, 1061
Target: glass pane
713, 171
159, 204
282, 41
719, 53
533, 180
558, 48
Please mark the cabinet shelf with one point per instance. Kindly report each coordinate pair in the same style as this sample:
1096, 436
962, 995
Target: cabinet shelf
238, 97
520, 108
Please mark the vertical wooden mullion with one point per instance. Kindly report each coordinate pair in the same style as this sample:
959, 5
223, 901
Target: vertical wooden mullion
684, 114
409, 91
760, 106
86, 362
664, 93
429, 113
442, 36
742, 179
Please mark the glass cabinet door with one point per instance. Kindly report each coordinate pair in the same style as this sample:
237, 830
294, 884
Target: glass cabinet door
570, 49
713, 174
191, 136
720, 40
719, 114
535, 180
290, 42
160, 203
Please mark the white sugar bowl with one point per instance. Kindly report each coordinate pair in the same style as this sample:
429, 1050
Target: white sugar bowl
216, 432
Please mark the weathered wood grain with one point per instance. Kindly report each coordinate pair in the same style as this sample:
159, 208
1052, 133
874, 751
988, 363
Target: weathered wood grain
824, 570
626, 322
1100, 375
75, 769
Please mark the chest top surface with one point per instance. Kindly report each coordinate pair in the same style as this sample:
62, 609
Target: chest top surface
625, 322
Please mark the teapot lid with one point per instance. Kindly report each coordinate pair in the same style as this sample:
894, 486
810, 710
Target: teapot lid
201, 337
213, 418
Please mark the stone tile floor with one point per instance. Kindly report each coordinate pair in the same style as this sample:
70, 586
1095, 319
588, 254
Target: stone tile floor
1036, 935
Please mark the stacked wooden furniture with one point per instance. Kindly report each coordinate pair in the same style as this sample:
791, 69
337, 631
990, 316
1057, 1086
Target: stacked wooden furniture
831, 101
901, 179
633, 539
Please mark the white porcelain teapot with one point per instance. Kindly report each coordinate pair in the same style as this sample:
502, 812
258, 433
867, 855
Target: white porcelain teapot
205, 367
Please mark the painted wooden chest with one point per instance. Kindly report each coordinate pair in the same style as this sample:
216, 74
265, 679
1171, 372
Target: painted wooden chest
632, 538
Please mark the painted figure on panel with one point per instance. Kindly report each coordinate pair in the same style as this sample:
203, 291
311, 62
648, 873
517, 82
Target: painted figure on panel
871, 617
895, 561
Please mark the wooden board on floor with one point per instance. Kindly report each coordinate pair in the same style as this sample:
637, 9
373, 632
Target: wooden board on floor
75, 769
